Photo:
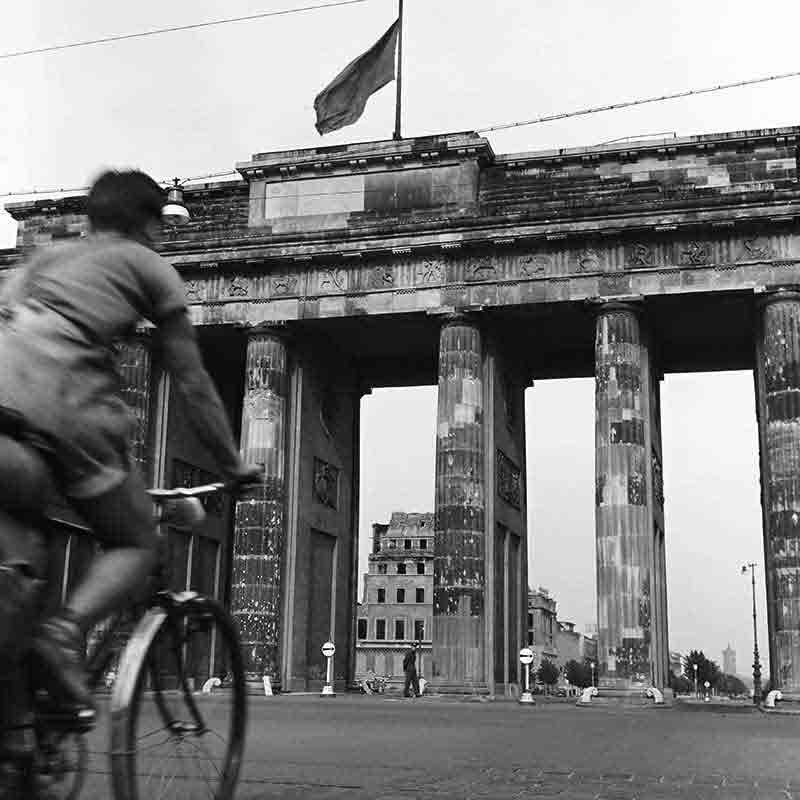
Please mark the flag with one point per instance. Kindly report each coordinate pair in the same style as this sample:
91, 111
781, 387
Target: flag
342, 101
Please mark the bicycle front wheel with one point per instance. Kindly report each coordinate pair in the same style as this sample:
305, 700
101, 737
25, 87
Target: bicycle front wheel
178, 709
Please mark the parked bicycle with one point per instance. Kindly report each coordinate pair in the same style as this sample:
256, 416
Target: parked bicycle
169, 738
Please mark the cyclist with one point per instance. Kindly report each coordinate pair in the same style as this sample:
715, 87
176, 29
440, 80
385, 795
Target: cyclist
61, 317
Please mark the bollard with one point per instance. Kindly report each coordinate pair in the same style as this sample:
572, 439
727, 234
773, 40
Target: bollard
526, 659
772, 697
328, 649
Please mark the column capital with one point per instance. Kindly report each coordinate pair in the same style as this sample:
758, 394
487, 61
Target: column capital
633, 303
767, 296
457, 316
275, 330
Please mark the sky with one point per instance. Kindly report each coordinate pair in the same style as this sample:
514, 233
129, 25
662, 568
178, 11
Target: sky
196, 102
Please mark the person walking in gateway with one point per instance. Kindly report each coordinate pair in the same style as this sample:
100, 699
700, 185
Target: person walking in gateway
411, 688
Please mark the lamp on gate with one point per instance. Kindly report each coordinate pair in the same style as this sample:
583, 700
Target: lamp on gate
174, 211
694, 667
593, 666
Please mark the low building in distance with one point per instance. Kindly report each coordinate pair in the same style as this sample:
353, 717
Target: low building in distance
542, 626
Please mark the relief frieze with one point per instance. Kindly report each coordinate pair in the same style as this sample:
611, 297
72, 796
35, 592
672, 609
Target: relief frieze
695, 254
639, 255
333, 279
193, 290
756, 249
509, 480
535, 266
482, 268
615, 263
238, 287
589, 260
326, 483
285, 284
381, 277
431, 270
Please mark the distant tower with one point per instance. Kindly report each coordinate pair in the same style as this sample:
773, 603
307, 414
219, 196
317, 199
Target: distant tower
729, 660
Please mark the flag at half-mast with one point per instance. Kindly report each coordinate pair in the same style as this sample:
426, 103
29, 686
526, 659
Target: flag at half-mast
342, 101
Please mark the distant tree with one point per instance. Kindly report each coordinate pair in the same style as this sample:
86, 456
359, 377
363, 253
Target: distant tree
732, 685
707, 670
578, 673
547, 673
680, 684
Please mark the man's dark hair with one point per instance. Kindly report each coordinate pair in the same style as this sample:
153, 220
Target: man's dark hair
124, 202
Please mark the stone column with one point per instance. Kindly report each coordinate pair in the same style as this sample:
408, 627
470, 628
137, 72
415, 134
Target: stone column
259, 533
624, 514
135, 369
778, 395
459, 542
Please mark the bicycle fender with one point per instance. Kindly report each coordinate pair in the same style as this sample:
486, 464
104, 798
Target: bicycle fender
134, 652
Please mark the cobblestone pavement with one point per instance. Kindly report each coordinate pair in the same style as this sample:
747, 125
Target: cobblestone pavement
383, 749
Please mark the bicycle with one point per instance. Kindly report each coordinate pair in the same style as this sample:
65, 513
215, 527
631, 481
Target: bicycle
160, 726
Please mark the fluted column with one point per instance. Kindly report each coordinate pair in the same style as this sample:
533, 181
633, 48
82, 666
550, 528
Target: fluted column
259, 534
135, 369
778, 389
624, 520
459, 542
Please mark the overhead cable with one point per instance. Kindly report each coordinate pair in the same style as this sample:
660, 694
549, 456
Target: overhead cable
629, 103
165, 183
174, 28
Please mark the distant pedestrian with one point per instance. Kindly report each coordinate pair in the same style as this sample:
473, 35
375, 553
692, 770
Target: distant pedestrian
411, 688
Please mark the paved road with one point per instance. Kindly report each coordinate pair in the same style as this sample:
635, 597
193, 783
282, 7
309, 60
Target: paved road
377, 748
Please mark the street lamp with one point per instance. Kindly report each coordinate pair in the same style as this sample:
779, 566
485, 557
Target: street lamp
174, 211
694, 667
756, 661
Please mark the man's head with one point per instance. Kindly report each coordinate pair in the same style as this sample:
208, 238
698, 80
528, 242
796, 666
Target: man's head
127, 202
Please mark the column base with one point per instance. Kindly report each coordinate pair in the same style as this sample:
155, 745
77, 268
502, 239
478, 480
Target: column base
438, 686
788, 702
256, 686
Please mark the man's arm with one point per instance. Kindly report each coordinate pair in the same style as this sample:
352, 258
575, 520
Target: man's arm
207, 415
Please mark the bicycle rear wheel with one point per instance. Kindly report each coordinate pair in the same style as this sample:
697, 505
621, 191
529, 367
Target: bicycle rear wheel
170, 740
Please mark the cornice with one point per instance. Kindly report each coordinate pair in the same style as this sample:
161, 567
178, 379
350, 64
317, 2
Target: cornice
663, 147
494, 232
351, 159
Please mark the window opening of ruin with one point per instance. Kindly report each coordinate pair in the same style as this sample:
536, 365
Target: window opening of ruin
712, 511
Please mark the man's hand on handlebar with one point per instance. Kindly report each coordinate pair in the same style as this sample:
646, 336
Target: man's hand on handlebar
247, 476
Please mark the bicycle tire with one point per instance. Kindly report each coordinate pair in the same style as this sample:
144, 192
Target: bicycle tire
159, 644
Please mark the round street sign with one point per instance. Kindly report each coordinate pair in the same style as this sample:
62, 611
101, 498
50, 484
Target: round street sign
328, 649
526, 655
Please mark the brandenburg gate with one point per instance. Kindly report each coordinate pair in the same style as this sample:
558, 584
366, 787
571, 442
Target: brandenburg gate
319, 274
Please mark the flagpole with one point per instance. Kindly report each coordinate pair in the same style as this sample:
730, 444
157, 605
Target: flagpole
398, 101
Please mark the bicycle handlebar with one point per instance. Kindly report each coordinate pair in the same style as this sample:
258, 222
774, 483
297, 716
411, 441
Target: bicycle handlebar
191, 491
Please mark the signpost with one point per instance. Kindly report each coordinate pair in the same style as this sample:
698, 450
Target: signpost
526, 659
328, 649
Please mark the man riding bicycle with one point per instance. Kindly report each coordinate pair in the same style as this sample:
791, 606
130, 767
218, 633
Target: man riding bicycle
61, 317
